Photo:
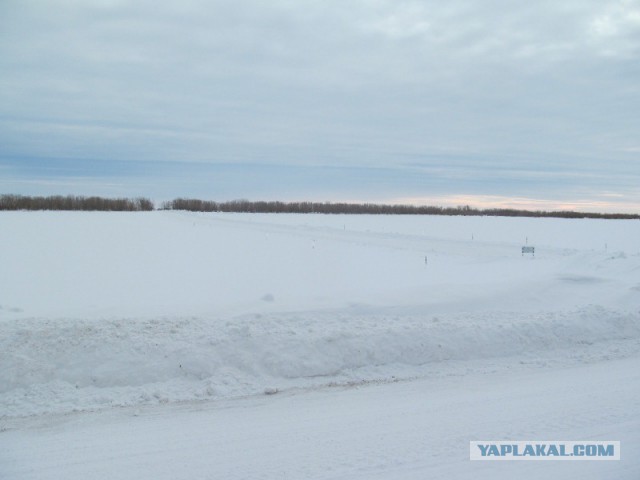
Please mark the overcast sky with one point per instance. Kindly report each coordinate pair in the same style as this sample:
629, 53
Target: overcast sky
485, 102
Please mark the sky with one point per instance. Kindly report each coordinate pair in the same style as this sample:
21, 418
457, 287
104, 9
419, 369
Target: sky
482, 103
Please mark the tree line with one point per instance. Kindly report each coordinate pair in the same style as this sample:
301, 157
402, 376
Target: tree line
246, 206
71, 202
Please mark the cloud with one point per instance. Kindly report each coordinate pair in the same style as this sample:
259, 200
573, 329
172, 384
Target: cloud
458, 88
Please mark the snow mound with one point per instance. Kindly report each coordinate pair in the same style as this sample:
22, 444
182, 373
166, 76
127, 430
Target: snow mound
63, 365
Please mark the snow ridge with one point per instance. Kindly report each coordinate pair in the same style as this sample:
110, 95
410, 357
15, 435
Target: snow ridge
63, 365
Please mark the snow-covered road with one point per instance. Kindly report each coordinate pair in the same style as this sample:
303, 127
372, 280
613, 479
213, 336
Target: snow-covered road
406, 430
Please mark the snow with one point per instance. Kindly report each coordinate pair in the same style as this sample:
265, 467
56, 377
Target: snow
320, 346
406, 430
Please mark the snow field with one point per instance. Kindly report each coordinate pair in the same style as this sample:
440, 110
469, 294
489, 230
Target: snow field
102, 310
127, 340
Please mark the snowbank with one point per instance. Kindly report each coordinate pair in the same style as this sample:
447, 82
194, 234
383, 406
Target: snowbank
65, 365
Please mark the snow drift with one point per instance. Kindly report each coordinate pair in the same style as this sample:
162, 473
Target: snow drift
63, 365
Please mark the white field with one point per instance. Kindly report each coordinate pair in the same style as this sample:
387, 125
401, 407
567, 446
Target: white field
141, 345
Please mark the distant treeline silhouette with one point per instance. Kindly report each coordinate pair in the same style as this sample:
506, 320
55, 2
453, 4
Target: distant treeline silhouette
246, 206
70, 202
